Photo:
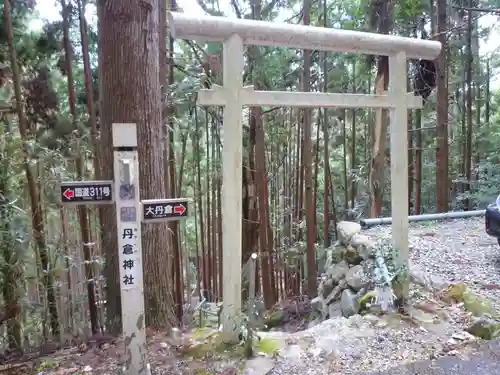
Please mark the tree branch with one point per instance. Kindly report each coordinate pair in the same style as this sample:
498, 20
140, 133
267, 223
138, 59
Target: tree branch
483, 10
204, 7
236, 8
268, 8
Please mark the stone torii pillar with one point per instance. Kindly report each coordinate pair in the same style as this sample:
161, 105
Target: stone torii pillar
235, 33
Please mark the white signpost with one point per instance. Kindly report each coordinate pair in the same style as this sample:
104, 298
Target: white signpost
130, 212
128, 208
234, 33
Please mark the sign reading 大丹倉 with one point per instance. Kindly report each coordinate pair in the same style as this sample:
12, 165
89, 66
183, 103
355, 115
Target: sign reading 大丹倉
164, 209
87, 192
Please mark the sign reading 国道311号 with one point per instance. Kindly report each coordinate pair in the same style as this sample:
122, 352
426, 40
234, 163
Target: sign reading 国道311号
87, 192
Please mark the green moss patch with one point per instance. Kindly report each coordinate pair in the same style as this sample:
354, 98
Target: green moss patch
267, 346
487, 329
473, 303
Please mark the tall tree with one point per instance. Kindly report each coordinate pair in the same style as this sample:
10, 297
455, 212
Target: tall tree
326, 154
309, 201
468, 105
83, 219
130, 92
381, 20
9, 249
169, 109
37, 211
442, 112
261, 172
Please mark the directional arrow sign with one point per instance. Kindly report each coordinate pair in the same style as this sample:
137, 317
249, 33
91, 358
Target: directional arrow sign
68, 193
164, 209
87, 192
179, 209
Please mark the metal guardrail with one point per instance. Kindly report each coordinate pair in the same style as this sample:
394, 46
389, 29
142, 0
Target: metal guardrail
425, 217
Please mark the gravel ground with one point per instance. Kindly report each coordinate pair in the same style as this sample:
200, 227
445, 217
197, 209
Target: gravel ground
456, 250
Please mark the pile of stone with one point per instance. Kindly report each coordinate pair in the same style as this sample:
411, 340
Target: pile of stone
346, 278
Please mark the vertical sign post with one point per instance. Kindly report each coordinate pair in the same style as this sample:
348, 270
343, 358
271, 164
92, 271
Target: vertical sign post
130, 212
128, 206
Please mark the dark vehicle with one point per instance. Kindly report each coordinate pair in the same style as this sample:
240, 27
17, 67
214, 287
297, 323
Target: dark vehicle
492, 220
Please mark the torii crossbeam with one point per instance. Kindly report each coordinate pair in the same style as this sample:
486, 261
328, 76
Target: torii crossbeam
235, 33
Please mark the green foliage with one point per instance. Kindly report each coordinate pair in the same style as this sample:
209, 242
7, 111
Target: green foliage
21, 9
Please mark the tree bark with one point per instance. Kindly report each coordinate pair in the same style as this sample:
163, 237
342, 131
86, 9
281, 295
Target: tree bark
442, 112
83, 216
307, 162
130, 92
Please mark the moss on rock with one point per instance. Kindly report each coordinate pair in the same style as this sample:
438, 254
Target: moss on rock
486, 329
366, 299
267, 346
274, 318
473, 303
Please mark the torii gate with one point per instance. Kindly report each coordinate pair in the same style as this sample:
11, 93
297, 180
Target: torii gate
235, 33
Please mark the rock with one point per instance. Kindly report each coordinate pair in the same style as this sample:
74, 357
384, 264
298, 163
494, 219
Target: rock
334, 310
325, 287
274, 318
259, 366
372, 319
293, 353
473, 303
462, 336
333, 255
363, 244
430, 282
366, 299
338, 271
317, 304
356, 278
316, 352
347, 229
319, 308
313, 323
421, 317
348, 303
485, 328
351, 255
336, 292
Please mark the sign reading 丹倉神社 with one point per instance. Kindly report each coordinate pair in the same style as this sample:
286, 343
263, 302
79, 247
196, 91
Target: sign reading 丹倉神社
128, 223
128, 258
